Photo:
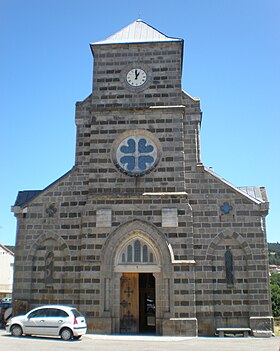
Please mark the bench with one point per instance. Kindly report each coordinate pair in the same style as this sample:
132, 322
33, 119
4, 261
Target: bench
223, 331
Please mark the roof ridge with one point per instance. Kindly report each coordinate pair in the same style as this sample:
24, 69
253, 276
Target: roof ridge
136, 32
236, 188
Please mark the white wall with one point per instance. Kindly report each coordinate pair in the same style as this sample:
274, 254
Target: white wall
6, 272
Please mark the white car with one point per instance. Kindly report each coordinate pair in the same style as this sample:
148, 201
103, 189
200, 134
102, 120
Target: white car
51, 320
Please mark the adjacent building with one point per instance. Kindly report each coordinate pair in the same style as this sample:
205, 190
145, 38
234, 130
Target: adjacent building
7, 271
140, 235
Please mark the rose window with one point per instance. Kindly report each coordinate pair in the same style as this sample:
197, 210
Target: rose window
136, 155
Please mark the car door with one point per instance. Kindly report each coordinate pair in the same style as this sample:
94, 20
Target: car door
36, 322
55, 319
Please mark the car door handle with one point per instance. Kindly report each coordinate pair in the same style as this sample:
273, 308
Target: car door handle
42, 321
60, 321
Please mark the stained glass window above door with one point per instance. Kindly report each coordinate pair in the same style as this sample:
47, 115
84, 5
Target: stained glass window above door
137, 251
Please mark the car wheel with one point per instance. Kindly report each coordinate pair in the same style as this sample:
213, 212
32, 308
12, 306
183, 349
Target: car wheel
16, 330
66, 334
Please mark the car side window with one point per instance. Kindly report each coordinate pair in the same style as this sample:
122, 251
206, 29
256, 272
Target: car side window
55, 312
38, 313
62, 314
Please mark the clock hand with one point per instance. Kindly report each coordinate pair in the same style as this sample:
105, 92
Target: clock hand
136, 74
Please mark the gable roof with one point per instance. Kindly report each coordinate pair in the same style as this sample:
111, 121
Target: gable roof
25, 196
136, 32
255, 194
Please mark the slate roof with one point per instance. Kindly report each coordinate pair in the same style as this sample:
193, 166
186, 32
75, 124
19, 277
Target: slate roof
138, 31
256, 194
26, 196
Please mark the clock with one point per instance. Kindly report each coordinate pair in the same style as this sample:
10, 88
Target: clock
136, 77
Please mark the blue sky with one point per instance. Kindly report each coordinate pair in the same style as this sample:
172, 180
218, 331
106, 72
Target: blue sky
231, 61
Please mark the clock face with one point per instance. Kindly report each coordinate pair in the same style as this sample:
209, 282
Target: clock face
136, 77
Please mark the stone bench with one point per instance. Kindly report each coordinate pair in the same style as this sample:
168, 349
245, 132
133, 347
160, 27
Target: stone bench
262, 333
223, 331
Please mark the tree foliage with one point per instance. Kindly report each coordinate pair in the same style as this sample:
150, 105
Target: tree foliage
275, 294
274, 253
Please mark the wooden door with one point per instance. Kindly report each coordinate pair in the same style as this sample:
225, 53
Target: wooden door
129, 304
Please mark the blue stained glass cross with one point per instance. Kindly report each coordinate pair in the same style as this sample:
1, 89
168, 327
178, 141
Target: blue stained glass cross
226, 208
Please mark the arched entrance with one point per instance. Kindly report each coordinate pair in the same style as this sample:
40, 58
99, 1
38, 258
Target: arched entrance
136, 271
137, 303
137, 258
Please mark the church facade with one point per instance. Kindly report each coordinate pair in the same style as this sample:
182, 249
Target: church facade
139, 234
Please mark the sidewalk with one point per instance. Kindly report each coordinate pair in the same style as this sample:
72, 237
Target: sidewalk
147, 338
96, 342
189, 343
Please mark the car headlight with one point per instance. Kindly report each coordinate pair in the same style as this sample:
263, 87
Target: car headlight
9, 322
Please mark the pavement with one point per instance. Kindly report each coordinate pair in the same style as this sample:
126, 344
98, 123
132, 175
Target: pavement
168, 343
96, 342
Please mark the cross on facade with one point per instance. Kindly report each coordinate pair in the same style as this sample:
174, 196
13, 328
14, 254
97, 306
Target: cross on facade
226, 208
128, 292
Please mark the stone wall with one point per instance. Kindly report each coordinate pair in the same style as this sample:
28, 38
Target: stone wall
162, 63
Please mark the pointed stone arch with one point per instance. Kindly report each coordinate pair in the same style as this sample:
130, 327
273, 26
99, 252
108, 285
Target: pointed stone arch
45, 237
49, 258
212, 247
229, 279
136, 228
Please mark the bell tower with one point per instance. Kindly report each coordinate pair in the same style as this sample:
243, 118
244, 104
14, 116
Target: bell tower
130, 136
137, 67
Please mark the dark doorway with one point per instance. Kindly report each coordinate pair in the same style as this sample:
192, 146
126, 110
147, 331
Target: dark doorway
147, 303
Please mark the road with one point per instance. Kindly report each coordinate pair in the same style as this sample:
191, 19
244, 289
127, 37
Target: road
92, 342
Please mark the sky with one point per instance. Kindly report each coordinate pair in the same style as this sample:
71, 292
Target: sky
231, 62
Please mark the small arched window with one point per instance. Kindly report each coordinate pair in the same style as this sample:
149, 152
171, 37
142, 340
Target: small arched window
129, 253
137, 251
123, 258
145, 253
